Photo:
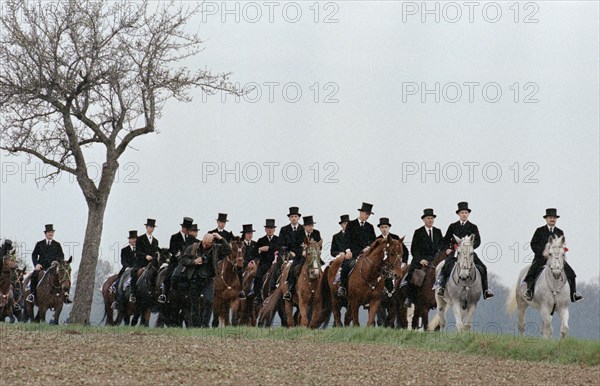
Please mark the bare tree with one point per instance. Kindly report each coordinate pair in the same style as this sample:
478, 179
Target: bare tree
88, 77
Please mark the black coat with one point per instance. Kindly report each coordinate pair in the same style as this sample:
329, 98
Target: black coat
177, 244
292, 240
45, 254
358, 238
267, 258
422, 248
405, 253
338, 243
461, 231
128, 257
144, 248
540, 239
211, 257
189, 240
251, 252
227, 235
314, 236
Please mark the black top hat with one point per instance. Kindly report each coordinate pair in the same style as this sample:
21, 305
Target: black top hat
270, 223
7, 243
308, 220
428, 212
187, 222
246, 228
150, 223
344, 218
222, 217
463, 206
49, 228
294, 210
366, 208
132, 235
384, 221
194, 228
551, 212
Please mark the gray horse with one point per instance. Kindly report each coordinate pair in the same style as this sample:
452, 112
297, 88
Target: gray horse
463, 289
551, 291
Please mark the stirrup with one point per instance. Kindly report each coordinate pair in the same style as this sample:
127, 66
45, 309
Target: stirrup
30, 298
287, 296
67, 300
528, 294
16, 307
132, 299
341, 292
577, 297
488, 294
162, 299
441, 291
408, 303
115, 305
242, 295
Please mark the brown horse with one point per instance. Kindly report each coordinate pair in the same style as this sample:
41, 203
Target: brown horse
329, 301
52, 289
425, 295
365, 284
7, 301
277, 273
307, 286
392, 312
247, 310
227, 283
109, 298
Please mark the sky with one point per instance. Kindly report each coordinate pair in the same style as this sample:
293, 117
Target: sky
382, 102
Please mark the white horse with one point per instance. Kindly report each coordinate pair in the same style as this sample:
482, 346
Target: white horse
551, 291
463, 289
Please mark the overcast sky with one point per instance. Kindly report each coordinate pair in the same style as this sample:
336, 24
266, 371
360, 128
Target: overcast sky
366, 127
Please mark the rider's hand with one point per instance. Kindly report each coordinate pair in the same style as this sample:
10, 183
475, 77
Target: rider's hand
348, 255
148, 257
263, 249
198, 261
251, 263
424, 262
38, 267
448, 251
217, 236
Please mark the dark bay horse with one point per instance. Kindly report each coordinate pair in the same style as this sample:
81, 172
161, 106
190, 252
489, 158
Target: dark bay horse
146, 296
247, 310
273, 296
52, 289
109, 298
227, 284
392, 312
425, 294
7, 301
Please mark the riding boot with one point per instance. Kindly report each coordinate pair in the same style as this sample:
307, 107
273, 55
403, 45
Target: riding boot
133, 287
410, 295
291, 287
240, 273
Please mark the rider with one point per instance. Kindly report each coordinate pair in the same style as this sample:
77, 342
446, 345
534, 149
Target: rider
309, 233
462, 228
266, 246
201, 260
220, 229
7, 249
177, 245
426, 243
360, 234
338, 242
147, 248
45, 252
250, 254
538, 244
128, 257
384, 227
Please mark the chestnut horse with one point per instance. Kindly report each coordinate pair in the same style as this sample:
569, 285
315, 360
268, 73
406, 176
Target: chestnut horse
365, 284
109, 298
7, 301
307, 284
53, 287
227, 284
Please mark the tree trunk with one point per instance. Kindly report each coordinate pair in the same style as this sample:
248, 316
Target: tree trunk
84, 290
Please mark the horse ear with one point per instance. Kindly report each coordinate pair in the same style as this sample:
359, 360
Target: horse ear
402, 239
472, 238
456, 238
562, 239
70, 260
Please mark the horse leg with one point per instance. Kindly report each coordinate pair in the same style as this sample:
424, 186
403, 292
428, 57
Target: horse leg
57, 311
354, 307
303, 306
458, 316
289, 312
373, 308
546, 322
564, 322
522, 309
469, 317
337, 312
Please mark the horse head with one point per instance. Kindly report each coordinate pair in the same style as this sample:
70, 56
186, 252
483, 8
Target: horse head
9, 262
555, 255
312, 252
63, 274
238, 250
465, 256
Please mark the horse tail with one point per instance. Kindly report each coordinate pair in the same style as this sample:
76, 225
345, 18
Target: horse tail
269, 306
434, 323
511, 302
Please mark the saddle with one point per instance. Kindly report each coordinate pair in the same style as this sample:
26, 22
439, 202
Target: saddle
418, 276
338, 275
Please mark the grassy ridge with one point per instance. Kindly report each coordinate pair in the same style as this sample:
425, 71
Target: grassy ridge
567, 351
